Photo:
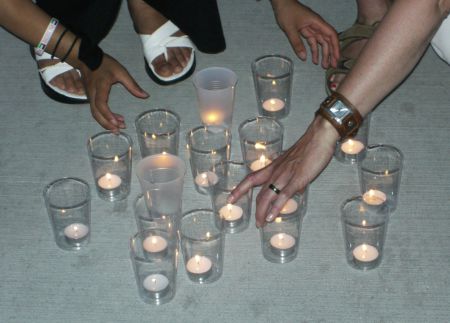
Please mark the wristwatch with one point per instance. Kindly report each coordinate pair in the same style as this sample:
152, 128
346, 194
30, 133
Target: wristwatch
341, 114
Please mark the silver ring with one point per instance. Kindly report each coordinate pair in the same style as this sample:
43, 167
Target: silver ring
275, 189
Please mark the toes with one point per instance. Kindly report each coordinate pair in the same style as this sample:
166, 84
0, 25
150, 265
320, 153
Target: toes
69, 81
162, 67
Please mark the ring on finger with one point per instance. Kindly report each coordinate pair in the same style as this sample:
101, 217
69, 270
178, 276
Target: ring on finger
275, 189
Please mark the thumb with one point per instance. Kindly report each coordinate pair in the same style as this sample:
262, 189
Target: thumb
131, 85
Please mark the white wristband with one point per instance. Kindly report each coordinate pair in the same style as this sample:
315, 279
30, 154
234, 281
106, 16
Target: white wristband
40, 48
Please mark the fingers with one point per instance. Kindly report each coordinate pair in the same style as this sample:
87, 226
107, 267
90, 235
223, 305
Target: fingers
250, 181
297, 44
101, 112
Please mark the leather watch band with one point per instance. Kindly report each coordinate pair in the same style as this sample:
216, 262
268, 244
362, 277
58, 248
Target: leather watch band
341, 114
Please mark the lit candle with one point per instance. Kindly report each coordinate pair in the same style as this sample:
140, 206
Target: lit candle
212, 117
282, 244
352, 146
374, 197
289, 207
156, 284
273, 105
76, 231
260, 163
206, 179
199, 267
155, 245
109, 181
232, 214
365, 253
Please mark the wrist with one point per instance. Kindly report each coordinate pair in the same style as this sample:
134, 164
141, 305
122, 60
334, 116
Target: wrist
323, 126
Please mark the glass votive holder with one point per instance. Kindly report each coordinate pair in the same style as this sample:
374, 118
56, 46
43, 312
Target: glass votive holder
161, 178
236, 216
68, 202
352, 149
272, 76
380, 175
215, 88
261, 141
202, 241
364, 229
145, 220
280, 238
154, 255
158, 131
207, 146
110, 156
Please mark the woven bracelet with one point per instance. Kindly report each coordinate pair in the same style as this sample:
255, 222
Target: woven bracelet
40, 48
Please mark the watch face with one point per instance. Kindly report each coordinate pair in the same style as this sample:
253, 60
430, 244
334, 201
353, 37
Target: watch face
339, 111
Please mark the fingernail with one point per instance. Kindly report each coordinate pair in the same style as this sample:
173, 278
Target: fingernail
270, 217
333, 86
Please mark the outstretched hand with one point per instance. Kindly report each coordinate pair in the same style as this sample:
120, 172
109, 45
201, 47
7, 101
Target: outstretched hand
98, 85
291, 172
299, 22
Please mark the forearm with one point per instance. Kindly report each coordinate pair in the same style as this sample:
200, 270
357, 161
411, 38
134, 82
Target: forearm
28, 22
393, 51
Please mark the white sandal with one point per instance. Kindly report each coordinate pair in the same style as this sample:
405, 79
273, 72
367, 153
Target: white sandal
48, 73
157, 43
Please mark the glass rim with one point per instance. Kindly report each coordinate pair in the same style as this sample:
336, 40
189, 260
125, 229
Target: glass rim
145, 113
249, 120
69, 207
399, 156
280, 56
205, 127
383, 208
104, 133
205, 210
216, 68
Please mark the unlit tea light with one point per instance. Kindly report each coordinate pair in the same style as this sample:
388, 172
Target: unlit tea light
109, 181
365, 253
76, 231
155, 283
352, 146
206, 179
374, 197
273, 105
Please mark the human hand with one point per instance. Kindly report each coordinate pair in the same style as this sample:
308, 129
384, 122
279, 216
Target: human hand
298, 21
98, 84
291, 172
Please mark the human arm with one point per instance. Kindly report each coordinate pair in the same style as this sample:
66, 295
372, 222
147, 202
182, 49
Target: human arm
28, 22
300, 22
387, 59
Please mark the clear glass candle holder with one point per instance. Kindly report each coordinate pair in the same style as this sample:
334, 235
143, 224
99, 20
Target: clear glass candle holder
261, 141
380, 175
161, 178
110, 156
272, 76
236, 216
154, 255
280, 238
364, 229
158, 131
215, 88
202, 241
146, 220
68, 202
351, 150
207, 146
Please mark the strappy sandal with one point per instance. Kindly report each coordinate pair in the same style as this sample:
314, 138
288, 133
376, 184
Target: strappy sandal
157, 43
353, 34
48, 73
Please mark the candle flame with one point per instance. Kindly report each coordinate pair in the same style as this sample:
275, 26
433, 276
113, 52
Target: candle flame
278, 220
108, 176
154, 281
262, 159
197, 259
154, 240
274, 82
153, 136
208, 235
229, 207
364, 222
116, 158
260, 146
386, 172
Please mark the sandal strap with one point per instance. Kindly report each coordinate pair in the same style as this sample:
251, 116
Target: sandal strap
157, 43
48, 73
355, 33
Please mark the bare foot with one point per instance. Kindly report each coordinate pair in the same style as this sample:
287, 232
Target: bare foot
146, 20
69, 81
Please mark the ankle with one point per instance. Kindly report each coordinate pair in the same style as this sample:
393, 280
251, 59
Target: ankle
145, 18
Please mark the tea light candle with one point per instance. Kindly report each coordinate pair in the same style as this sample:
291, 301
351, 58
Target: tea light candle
212, 117
289, 207
199, 267
206, 179
155, 245
374, 197
76, 231
273, 105
365, 253
109, 181
352, 146
156, 284
282, 244
260, 163
231, 213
